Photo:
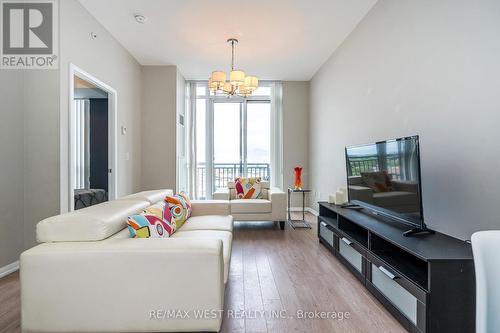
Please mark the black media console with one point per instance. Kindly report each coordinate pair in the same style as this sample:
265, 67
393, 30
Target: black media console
426, 282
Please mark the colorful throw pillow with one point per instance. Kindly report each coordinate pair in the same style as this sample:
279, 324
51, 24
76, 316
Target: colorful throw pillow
146, 225
378, 181
161, 211
248, 188
180, 207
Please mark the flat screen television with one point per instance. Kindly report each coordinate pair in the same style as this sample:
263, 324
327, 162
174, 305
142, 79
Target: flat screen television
384, 177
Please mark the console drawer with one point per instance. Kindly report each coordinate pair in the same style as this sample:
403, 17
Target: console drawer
402, 299
347, 252
326, 233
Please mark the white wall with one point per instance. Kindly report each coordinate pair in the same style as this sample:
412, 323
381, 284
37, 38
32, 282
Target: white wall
295, 135
181, 143
11, 166
29, 146
159, 95
419, 67
41, 149
105, 59
35, 106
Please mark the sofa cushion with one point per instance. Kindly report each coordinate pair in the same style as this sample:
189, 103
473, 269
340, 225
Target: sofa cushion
152, 196
225, 236
89, 224
209, 222
123, 234
210, 207
240, 206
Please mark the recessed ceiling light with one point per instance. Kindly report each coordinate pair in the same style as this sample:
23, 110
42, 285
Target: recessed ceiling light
140, 18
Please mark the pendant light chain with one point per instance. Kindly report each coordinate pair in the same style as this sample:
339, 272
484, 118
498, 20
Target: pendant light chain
232, 55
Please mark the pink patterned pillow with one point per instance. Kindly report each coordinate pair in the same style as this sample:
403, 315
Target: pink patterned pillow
248, 188
180, 207
155, 222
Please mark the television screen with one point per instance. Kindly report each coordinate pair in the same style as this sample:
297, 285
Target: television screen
385, 177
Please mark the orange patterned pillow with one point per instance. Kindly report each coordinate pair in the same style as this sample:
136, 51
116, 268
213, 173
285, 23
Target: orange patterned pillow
248, 188
180, 207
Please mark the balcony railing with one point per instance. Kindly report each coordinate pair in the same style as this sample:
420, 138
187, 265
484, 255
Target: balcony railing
225, 172
371, 163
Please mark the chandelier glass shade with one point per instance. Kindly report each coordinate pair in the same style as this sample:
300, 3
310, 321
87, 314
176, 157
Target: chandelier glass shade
238, 82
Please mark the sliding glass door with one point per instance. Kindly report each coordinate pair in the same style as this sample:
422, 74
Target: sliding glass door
227, 143
233, 139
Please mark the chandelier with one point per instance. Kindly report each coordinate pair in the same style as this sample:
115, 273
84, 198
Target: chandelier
238, 84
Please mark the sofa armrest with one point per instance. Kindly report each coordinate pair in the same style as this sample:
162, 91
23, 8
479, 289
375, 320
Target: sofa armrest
221, 194
278, 204
210, 207
405, 186
118, 285
361, 193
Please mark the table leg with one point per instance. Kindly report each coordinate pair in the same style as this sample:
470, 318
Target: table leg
302, 223
303, 206
289, 215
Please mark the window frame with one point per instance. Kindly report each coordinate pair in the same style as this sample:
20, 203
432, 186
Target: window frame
276, 132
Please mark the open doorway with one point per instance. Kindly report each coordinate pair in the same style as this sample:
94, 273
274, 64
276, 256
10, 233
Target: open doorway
92, 143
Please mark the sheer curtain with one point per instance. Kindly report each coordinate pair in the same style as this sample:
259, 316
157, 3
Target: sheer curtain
191, 139
82, 143
277, 134
407, 160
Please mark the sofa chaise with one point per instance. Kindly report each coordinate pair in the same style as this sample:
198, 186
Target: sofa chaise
89, 276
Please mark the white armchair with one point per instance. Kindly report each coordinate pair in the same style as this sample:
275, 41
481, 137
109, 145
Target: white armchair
272, 207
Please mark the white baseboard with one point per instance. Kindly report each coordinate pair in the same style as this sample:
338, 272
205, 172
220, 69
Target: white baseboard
10, 268
308, 209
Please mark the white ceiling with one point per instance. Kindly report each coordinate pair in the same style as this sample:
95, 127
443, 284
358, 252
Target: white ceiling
279, 39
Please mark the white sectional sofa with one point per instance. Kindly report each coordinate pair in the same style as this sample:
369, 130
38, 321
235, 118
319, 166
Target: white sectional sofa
89, 276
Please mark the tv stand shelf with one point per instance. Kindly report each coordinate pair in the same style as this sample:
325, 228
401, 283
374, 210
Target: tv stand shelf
425, 281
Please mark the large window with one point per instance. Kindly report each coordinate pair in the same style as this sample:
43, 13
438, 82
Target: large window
233, 138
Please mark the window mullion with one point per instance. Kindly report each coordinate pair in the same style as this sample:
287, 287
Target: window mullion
243, 138
209, 149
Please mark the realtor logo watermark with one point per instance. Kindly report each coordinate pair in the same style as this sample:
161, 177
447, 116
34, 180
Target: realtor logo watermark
29, 34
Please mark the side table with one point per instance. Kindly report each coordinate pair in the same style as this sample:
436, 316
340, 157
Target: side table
298, 223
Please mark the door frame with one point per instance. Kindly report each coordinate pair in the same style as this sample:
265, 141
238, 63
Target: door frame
112, 132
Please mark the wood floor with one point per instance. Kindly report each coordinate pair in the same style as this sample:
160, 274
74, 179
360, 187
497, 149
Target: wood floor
10, 304
274, 276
